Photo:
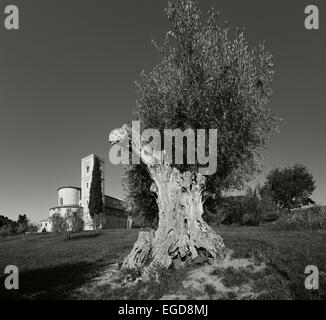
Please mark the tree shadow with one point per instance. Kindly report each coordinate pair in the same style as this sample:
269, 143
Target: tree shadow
85, 236
56, 283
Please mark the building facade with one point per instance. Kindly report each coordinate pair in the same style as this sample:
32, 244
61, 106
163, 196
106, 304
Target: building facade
114, 215
45, 225
73, 199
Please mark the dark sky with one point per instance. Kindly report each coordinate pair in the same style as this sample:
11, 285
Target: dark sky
67, 79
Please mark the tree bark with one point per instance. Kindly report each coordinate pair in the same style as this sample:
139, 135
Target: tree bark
141, 251
182, 233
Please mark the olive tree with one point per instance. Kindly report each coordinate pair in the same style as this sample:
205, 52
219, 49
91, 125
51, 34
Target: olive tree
69, 222
206, 78
290, 187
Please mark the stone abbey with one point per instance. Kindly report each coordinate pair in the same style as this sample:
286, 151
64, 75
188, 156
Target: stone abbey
77, 198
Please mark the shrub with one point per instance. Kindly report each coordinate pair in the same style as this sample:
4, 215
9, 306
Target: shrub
270, 216
248, 210
7, 225
70, 222
21, 228
313, 218
5, 231
32, 228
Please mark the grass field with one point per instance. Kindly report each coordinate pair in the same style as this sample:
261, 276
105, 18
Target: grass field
51, 268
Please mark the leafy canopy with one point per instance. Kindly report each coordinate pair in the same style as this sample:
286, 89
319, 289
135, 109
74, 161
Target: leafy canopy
290, 187
208, 78
69, 222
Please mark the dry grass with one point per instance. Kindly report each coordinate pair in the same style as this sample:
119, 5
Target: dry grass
308, 219
52, 268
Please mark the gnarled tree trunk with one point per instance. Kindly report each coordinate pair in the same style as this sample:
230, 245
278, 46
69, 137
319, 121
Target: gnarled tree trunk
182, 233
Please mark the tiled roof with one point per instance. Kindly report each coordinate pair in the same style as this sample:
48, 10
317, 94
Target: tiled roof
113, 203
62, 207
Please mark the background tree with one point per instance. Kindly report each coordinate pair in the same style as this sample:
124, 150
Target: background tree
96, 198
140, 201
206, 78
22, 223
253, 208
68, 223
290, 187
32, 227
7, 226
22, 219
5, 221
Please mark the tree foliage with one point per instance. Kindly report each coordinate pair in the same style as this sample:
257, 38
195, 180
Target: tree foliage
23, 222
32, 228
4, 221
207, 78
140, 202
96, 198
8, 226
290, 187
22, 219
253, 208
68, 223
